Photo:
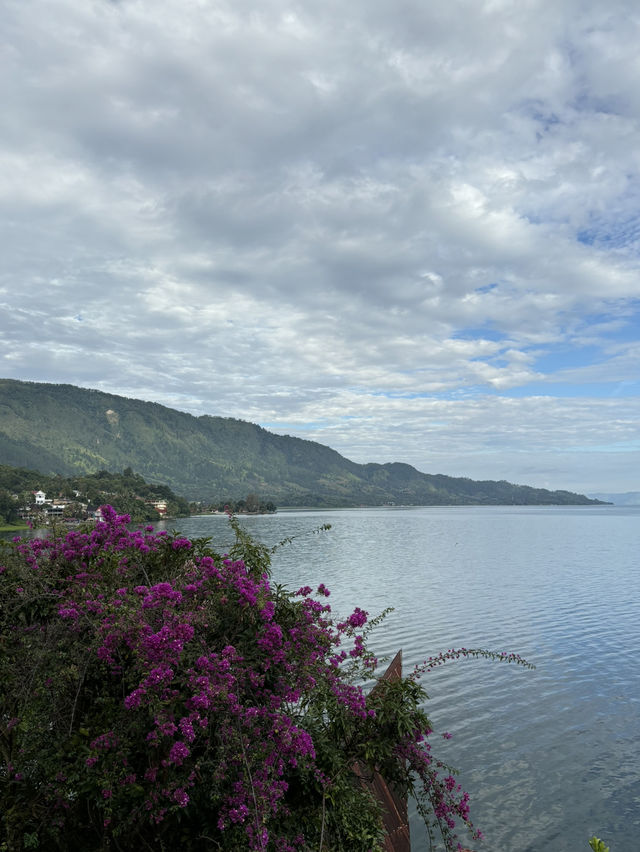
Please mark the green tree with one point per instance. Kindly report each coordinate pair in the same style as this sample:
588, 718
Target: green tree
8, 508
74, 510
252, 503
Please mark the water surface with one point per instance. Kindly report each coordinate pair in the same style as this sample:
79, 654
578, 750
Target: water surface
549, 757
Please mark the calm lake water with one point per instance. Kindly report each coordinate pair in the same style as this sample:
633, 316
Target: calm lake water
549, 757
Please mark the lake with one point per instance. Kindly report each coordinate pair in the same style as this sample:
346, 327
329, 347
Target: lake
549, 757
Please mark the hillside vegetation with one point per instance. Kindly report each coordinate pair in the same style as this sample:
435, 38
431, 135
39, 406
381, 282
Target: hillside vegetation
83, 493
66, 430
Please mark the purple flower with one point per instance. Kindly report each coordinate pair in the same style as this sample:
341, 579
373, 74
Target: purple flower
358, 617
181, 797
68, 612
186, 727
268, 610
170, 644
179, 753
272, 638
133, 701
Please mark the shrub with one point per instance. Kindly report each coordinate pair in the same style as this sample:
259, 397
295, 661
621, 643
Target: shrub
158, 695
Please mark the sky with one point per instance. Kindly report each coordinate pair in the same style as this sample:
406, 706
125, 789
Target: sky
407, 230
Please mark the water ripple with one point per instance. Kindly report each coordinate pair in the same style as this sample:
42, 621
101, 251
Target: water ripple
552, 756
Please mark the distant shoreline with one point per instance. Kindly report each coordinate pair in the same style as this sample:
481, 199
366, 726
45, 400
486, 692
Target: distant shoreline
442, 506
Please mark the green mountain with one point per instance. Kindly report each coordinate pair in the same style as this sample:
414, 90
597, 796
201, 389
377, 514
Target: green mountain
65, 430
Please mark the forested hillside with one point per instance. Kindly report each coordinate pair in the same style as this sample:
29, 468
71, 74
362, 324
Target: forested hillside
62, 429
127, 492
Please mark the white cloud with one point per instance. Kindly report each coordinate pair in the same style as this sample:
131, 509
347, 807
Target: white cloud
369, 216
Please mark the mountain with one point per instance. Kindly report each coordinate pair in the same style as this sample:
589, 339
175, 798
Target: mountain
63, 429
627, 498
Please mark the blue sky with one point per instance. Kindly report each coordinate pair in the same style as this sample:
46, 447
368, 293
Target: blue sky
407, 230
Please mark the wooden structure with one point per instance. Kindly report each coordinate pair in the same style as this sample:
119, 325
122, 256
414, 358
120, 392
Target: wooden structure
394, 806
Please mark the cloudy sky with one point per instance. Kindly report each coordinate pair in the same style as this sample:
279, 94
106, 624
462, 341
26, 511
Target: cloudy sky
409, 230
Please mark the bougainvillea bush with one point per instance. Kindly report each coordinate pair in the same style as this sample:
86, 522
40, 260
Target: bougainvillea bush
156, 695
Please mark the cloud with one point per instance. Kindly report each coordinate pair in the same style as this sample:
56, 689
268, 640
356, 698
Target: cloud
351, 221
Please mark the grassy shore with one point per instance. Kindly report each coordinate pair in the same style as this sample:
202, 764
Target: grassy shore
12, 527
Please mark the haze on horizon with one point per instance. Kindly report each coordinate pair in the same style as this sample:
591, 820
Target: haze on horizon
408, 231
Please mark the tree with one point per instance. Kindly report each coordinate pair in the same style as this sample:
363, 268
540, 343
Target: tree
74, 510
157, 695
8, 508
252, 503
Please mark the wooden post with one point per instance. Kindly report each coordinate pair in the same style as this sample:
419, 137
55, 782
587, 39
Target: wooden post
394, 806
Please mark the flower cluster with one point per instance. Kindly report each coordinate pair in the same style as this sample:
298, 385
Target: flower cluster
149, 679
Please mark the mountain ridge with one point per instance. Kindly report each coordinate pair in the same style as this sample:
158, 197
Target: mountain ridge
619, 498
64, 429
